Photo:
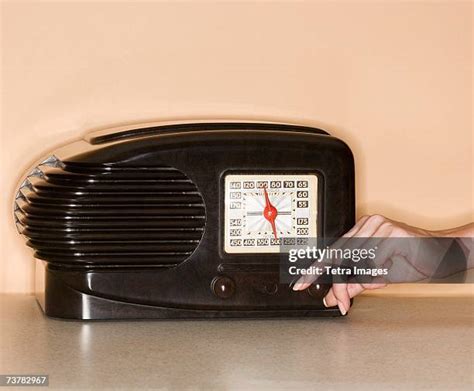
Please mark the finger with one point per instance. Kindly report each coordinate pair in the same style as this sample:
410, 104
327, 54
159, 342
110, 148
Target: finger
366, 236
353, 289
371, 225
386, 248
363, 236
342, 297
367, 263
351, 233
391, 255
305, 281
301, 284
356, 227
330, 300
374, 285
384, 230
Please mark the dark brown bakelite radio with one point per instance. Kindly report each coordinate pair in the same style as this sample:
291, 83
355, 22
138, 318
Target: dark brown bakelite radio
183, 220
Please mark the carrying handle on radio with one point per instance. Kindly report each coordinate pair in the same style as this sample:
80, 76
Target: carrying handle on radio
121, 134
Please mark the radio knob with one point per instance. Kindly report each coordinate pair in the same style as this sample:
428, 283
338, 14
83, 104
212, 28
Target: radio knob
223, 287
318, 290
270, 288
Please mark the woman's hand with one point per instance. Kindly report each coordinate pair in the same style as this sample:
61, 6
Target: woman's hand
401, 257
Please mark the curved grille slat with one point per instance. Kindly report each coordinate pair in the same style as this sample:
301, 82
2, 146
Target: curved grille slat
40, 198
100, 235
106, 215
109, 196
109, 167
112, 213
158, 222
112, 247
157, 186
84, 175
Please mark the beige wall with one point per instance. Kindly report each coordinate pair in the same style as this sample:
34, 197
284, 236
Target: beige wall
394, 79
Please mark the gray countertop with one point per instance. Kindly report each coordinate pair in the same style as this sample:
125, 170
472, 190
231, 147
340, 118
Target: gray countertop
384, 343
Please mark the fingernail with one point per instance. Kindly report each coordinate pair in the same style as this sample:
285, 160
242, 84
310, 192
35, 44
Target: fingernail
301, 286
297, 286
341, 308
324, 302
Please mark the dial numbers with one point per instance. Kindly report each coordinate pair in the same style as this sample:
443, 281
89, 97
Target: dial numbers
261, 211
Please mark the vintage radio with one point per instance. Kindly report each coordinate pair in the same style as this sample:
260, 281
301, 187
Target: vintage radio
183, 220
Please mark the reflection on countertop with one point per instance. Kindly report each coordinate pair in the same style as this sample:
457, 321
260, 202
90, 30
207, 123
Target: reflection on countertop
386, 342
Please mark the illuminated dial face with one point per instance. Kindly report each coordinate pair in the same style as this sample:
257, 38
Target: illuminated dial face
264, 211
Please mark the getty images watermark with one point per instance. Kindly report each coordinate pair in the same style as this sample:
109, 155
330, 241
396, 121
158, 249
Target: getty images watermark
365, 260
328, 261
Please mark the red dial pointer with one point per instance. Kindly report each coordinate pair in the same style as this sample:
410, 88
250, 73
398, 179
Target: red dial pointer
270, 212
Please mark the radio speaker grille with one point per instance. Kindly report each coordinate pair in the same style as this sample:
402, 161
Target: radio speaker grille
102, 215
